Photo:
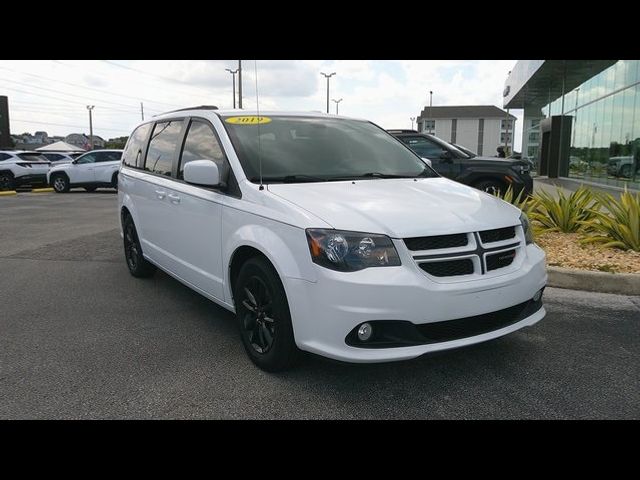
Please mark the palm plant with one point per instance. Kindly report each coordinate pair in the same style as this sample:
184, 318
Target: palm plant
566, 214
619, 226
522, 200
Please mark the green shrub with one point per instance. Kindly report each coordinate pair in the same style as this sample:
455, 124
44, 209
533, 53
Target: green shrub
619, 225
566, 214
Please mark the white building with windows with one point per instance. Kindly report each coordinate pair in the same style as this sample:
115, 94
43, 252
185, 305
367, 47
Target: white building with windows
480, 128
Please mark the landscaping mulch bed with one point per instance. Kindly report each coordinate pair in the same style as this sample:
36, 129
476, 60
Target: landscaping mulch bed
565, 250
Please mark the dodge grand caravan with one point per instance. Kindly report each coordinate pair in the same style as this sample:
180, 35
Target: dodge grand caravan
324, 234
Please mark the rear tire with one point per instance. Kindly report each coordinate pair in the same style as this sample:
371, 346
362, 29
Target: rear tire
490, 186
60, 183
263, 316
6, 181
138, 266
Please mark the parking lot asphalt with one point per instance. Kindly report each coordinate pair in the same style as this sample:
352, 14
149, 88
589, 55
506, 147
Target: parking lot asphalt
81, 338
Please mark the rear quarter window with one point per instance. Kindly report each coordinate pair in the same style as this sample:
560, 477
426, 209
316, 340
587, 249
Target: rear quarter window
133, 155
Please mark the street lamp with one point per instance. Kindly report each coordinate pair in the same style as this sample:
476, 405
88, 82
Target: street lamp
90, 107
337, 102
412, 120
328, 76
430, 107
233, 73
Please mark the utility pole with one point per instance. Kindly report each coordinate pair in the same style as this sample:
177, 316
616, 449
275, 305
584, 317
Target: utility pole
240, 84
142, 111
337, 102
233, 74
90, 107
328, 76
412, 120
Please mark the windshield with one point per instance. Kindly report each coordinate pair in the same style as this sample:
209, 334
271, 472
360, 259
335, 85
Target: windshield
312, 149
469, 153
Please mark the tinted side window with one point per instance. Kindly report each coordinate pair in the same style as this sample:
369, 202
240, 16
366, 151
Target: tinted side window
162, 147
134, 151
108, 156
423, 147
201, 143
4, 156
88, 158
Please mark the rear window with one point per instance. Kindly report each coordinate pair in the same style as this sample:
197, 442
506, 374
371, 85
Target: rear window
32, 157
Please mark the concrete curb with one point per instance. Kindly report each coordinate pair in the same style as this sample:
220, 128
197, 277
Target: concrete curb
7, 193
620, 283
42, 190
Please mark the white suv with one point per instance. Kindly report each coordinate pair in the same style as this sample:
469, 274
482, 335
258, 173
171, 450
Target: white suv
324, 234
21, 167
98, 168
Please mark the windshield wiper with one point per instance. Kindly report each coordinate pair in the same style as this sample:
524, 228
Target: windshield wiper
301, 178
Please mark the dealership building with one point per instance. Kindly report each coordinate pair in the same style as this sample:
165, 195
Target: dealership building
581, 118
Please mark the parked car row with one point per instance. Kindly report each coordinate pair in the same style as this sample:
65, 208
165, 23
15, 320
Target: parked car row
90, 170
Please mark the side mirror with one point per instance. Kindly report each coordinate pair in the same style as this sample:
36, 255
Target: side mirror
427, 161
202, 172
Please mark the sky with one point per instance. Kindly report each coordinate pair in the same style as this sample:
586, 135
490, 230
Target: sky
52, 95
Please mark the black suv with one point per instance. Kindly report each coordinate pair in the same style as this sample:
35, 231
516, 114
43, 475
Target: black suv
490, 174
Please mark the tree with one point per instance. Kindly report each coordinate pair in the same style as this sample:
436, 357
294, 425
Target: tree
118, 142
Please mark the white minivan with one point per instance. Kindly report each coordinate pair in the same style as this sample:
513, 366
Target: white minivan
324, 234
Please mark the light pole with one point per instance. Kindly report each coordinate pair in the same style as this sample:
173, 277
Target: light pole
430, 106
90, 107
337, 102
412, 120
233, 74
240, 84
328, 76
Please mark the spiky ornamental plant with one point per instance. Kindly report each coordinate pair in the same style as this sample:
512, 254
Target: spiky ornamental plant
619, 225
565, 214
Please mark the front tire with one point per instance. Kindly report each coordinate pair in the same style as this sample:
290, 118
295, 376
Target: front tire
138, 266
60, 183
263, 316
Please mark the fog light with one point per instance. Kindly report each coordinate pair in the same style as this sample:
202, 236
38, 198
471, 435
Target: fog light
537, 296
364, 332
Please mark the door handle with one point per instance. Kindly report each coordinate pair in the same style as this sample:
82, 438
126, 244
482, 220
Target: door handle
161, 194
173, 198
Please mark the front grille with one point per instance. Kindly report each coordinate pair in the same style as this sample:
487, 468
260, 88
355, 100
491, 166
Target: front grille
500, 260
476, 325
449, 268
498, 234
436, 242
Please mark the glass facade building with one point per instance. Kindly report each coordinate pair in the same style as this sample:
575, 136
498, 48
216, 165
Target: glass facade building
595, 107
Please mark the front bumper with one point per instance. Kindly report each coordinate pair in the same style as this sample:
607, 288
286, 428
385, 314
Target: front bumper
326, 311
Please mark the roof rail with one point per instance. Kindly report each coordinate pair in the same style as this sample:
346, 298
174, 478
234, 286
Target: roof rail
401, 131
200, 107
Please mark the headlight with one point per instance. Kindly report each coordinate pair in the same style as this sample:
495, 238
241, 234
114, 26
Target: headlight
351, 251
526, 226
524, 169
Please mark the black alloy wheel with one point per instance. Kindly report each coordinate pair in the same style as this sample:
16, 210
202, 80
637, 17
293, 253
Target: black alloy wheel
263, 316
257, 316
137, 264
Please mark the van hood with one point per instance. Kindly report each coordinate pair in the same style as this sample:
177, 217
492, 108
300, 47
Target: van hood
401, 208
